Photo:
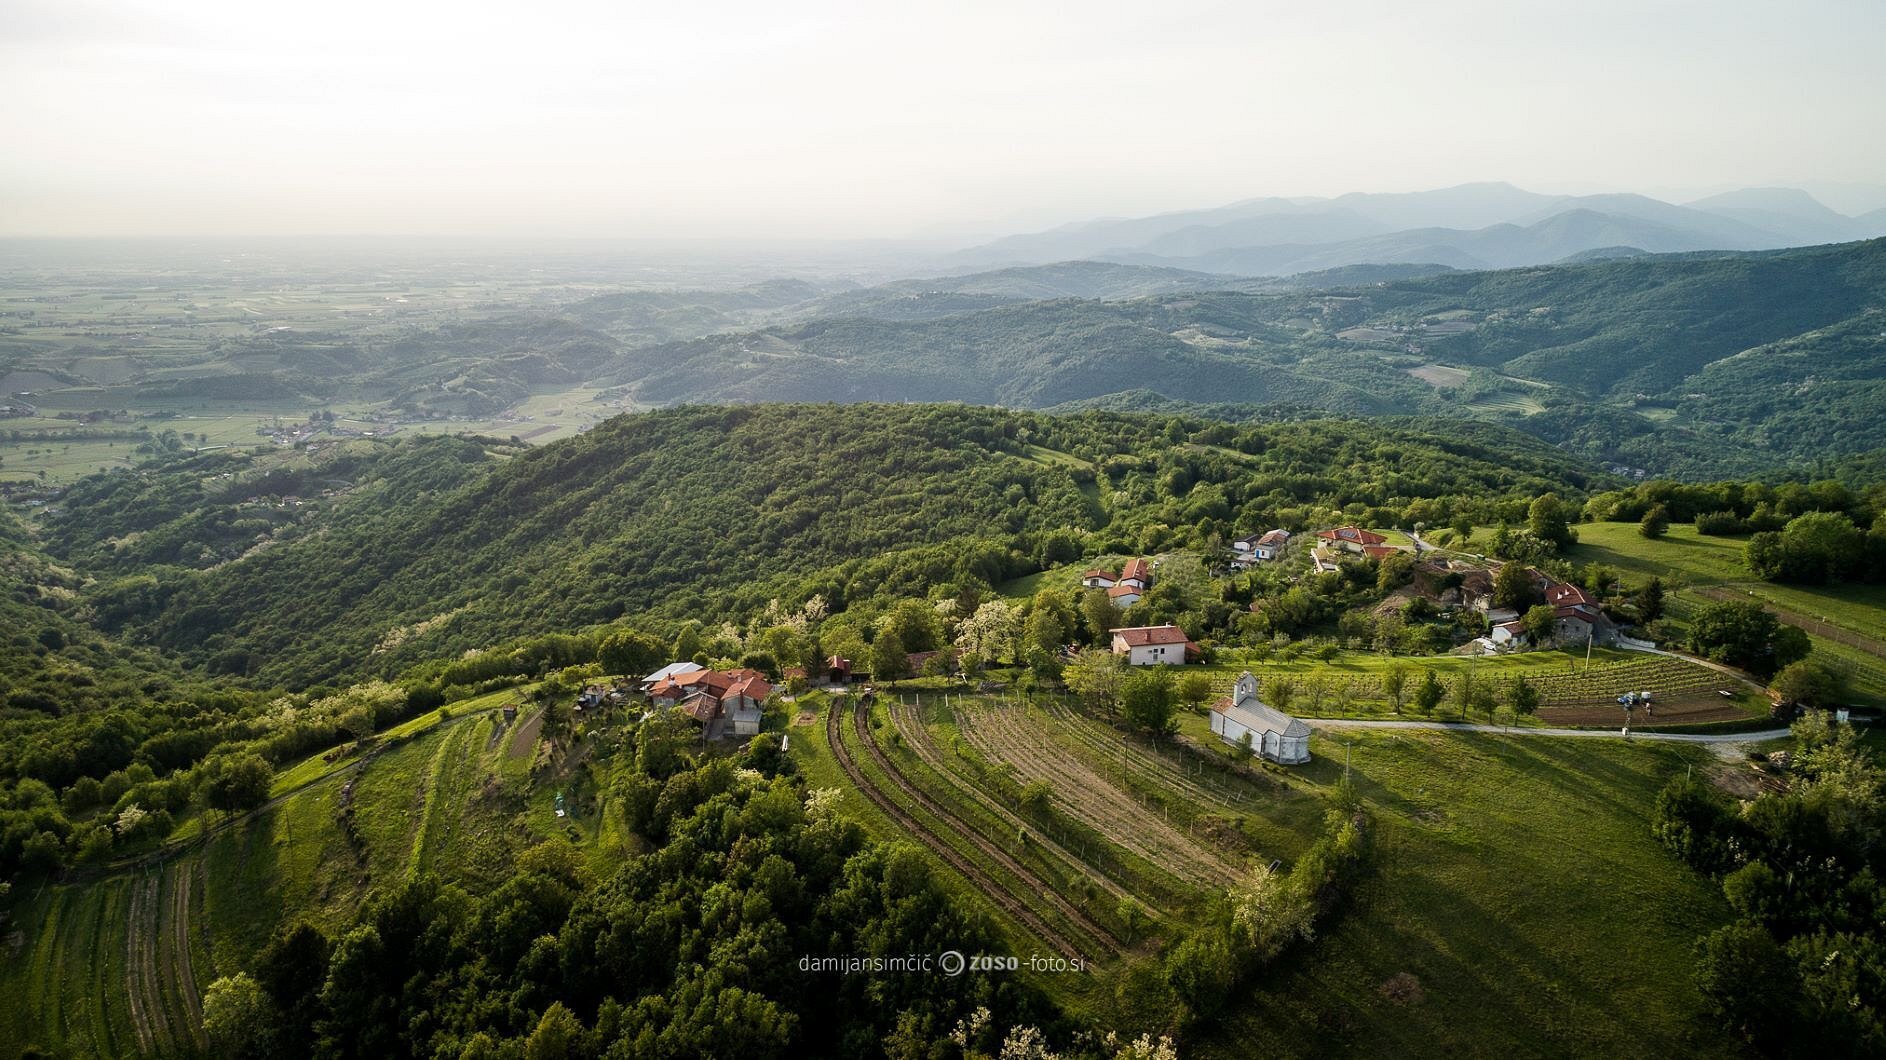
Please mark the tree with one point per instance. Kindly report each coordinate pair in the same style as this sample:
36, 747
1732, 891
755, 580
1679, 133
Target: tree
1395, 684
1268, 911
1656, 522
688, 642
556, 1036
888, 660
1280, 691
1396, 570
1044, 631
1650, 600
1549, 520
1742, 633
1513, 588
1194, 688
1147, 699
237, 1016
1131, 918
630, 653
1747, 981
1466, 696
1522, 697
1095, 675
1101, 616
1809, 682
1429, 692
1539, 622
991, 633
238, 783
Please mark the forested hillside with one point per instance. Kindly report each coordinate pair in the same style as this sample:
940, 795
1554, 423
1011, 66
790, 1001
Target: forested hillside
446, 544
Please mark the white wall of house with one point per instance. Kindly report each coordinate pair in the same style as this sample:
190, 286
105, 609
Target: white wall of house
1155, 654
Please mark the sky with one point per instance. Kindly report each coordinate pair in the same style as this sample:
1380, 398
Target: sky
733, 120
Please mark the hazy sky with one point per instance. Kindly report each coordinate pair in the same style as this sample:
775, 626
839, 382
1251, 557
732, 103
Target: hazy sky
798, 119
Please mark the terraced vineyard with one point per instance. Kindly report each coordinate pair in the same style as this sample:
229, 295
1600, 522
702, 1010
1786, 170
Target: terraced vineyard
917, 737
1002, 732
115, 966
904, 803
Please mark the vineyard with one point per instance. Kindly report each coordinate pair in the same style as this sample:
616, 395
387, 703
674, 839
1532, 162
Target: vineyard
1570, 689
116, 966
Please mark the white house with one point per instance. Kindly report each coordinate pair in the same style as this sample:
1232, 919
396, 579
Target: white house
1151, 645
1248, 551
1098, 579
1137, 573
1125, 596
1273, 734
1507, 634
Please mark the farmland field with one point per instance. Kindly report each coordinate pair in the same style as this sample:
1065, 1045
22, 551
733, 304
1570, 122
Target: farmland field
1518, 883
1847, 623
115, 966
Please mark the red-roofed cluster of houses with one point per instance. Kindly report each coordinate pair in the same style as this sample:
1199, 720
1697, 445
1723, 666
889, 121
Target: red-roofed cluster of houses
715, 698
1125, 588
1577, 618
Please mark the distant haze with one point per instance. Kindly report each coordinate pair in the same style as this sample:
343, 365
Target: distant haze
950, 122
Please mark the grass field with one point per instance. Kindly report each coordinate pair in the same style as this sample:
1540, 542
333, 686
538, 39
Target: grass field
1847, 623
1518, 884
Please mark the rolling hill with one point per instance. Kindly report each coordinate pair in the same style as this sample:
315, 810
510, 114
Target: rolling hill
1491, 225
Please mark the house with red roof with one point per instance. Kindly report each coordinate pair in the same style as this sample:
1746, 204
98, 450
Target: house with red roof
724, 702
1153, 645
1125, 589
1351, 538
1125, 596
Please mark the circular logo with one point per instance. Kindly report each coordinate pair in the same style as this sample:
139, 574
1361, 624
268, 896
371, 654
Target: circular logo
952, 963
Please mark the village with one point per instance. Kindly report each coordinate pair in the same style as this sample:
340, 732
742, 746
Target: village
1518, 608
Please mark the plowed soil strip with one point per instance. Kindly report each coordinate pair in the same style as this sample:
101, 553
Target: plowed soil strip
862, 723
917, 738
1088, 796
179, 947
834, 732
139, 961
1153, 766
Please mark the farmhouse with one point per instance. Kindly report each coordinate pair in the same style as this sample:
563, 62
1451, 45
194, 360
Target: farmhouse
1252, 550
671, 670
1136, 575
1577, 617
725, 702
1152, 645
1125, 595
1350, 539
1273, 734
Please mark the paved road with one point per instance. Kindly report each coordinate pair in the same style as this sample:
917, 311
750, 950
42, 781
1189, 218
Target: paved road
1505, 730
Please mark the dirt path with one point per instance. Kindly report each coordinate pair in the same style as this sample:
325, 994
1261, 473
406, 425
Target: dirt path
1820, 628
526, 738
178, 958
140, 961
995, 892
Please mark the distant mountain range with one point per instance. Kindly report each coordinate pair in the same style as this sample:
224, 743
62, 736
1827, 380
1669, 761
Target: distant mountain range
1473, 226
